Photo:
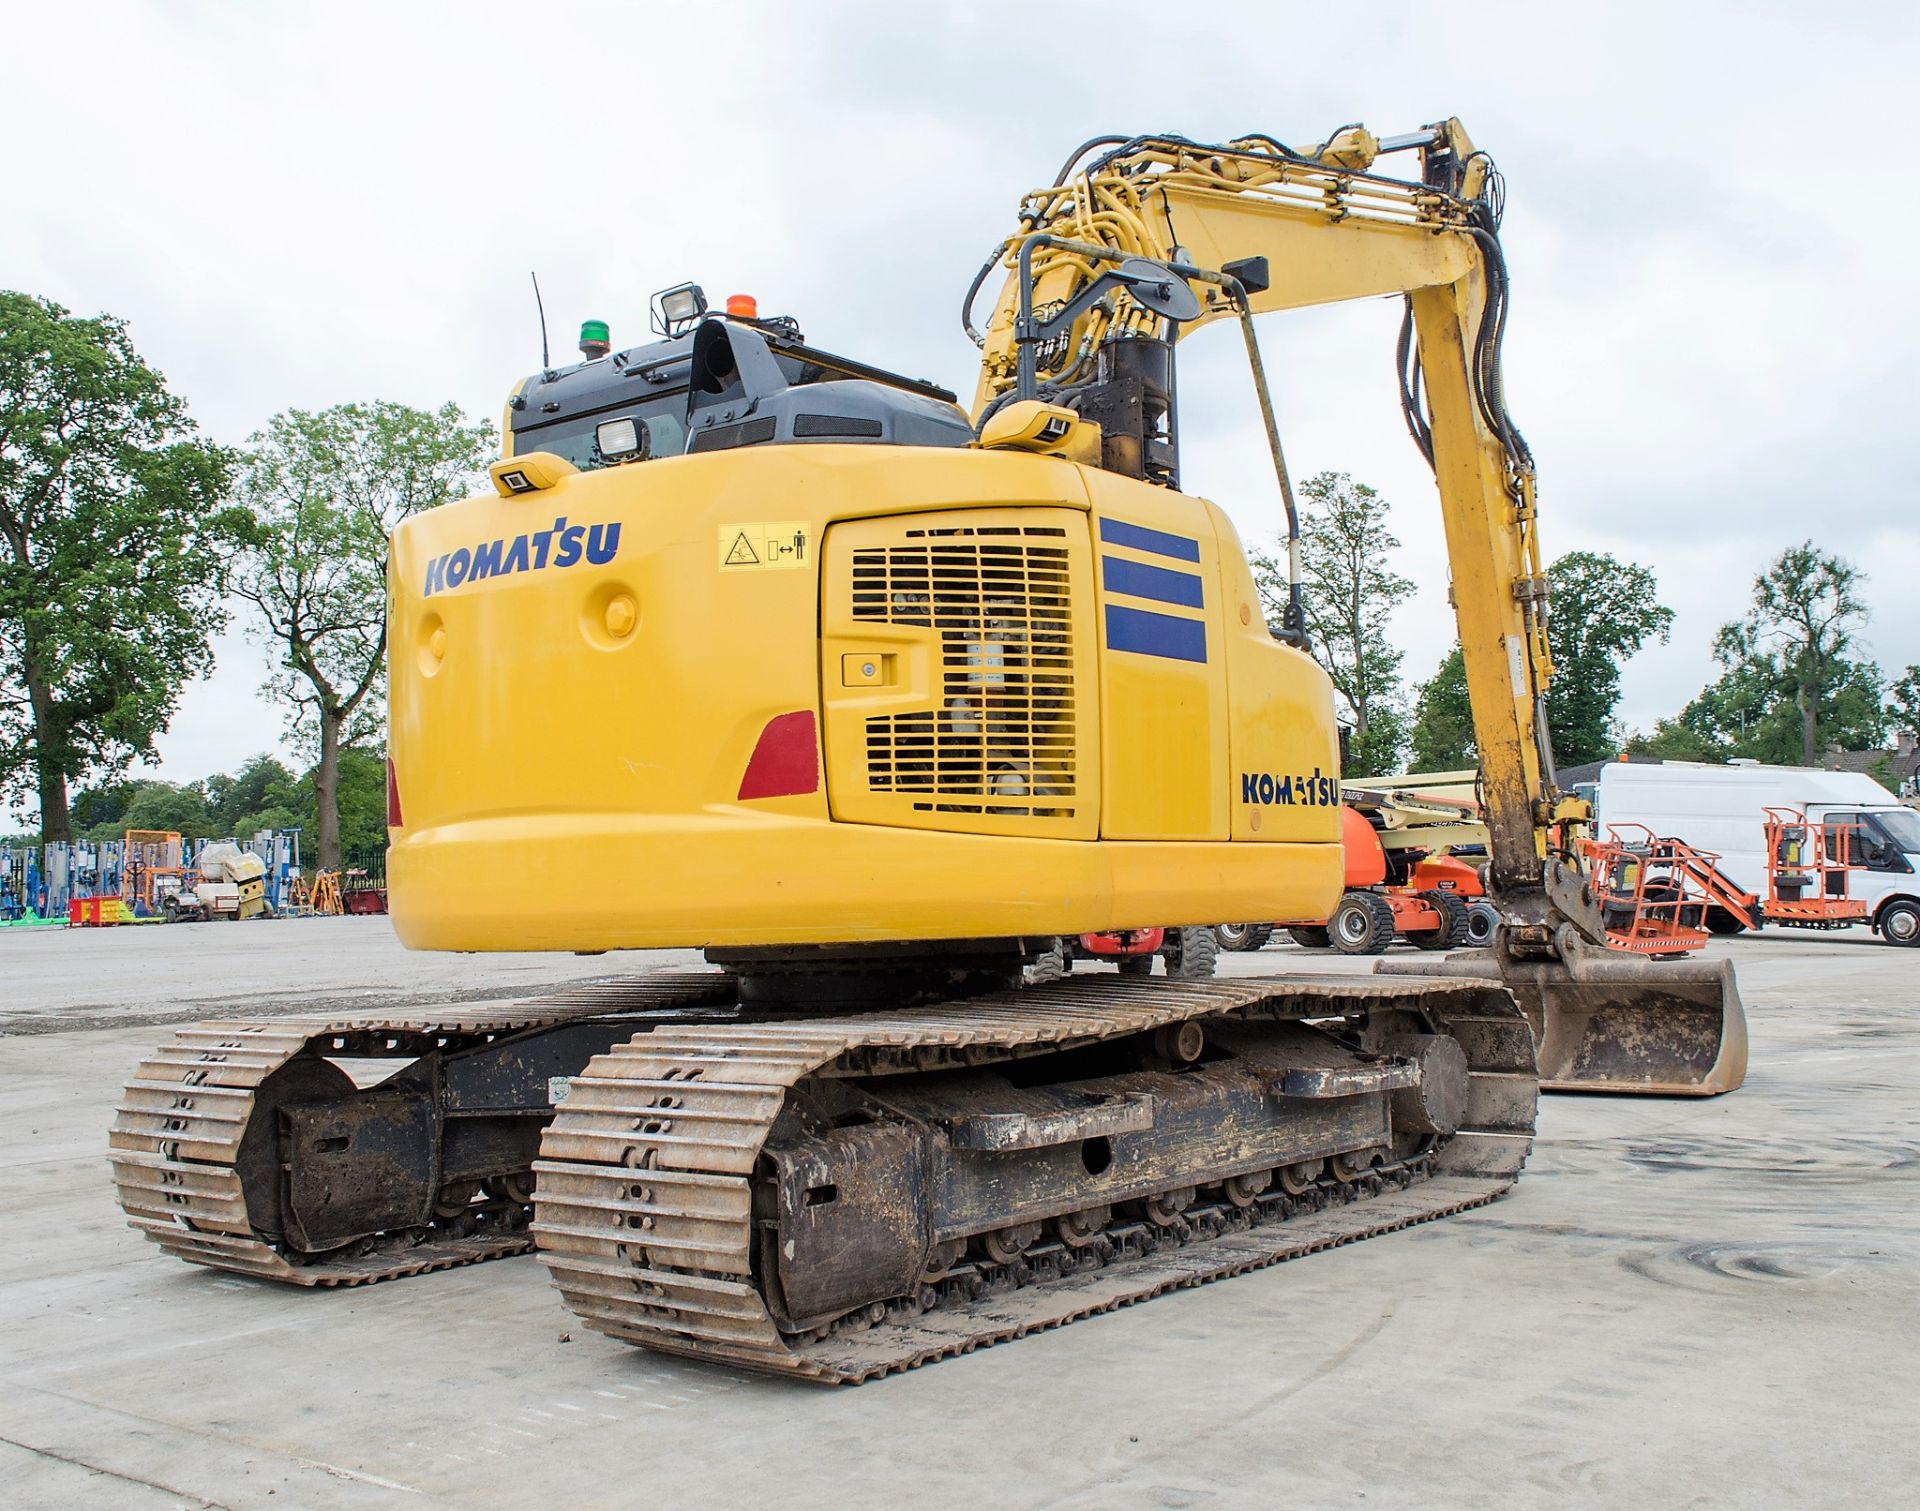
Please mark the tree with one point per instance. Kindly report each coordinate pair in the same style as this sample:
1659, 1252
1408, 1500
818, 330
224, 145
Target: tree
1749, 712
178, 807
1603, 610
1349, 593
263, 794
1442, 734
1806, 614
113, 544
1674, 740
328, 488
1903, 699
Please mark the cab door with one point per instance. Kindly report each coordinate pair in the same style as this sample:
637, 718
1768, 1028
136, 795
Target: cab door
1874, 865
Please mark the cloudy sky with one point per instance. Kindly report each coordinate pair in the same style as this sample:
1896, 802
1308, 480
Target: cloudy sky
1715, 309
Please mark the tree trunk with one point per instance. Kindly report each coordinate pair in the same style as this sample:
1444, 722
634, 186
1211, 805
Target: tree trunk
1809, 700
56, 826
326, 791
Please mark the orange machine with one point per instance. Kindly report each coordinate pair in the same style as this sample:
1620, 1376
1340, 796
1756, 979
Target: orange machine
1808, 884
1430, 905
1650, 889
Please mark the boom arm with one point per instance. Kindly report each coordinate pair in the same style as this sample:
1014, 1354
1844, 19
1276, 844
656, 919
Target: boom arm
1327, 229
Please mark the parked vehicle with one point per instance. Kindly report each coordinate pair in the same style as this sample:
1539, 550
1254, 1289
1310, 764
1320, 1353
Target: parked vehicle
1189, 953
1435, 900
1874, 839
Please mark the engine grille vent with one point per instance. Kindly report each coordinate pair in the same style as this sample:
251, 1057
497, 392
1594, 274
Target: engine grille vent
1003, 739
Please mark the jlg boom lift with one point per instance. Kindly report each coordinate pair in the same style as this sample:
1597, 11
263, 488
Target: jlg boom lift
760, 649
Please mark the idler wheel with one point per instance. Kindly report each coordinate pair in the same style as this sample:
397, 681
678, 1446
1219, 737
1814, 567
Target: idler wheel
454, 1198
1076, 1229
1244, 1190
1181, 1043
1164, 1210
1438, 1103
1004, 1245
943, 1258
1353, 1163
516, 1188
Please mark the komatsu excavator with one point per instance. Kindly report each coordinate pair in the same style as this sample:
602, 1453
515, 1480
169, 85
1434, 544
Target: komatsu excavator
759, 649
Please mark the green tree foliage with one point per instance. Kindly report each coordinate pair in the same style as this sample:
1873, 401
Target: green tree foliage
1751, 711
1674, 740
1442, 734
1350, 592
1603, 610
363, 810
262, 794
328, 488
1903, 699
1792, 649
113, 539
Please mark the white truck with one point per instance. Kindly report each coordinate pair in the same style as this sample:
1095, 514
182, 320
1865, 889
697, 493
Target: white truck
1721, 809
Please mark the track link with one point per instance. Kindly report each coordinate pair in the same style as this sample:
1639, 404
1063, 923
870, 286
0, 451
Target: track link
178, 1128
644, 1208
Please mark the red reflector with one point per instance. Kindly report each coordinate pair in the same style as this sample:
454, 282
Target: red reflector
786, 761
393, 798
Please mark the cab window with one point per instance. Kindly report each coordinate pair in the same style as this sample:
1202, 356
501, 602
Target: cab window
1859, 840
574, 438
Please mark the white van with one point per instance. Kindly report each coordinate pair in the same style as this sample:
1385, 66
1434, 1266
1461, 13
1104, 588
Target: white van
1719, 808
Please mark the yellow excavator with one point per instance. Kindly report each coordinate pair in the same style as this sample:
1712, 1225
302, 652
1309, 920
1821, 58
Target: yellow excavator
768, 651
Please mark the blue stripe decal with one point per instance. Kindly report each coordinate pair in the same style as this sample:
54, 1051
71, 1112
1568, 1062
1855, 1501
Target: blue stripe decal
1148, 634
1120, 533
1138, 580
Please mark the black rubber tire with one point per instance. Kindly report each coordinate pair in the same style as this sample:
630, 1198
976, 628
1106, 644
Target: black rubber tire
1899, 923
1723, 923
1052, 964
1242, 936
1362, 924
1190, 954
1452, 933
1482, 918
171, 909
1310, 937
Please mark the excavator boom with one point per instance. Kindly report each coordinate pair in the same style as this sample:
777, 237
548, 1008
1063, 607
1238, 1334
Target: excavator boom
1256, 226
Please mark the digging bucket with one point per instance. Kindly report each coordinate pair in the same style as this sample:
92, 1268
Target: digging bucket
1616, 1023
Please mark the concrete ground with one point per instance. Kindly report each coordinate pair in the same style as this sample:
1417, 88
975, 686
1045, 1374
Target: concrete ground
1682, 1303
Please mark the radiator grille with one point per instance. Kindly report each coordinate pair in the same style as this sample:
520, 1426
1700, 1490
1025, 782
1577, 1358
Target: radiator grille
1003, 740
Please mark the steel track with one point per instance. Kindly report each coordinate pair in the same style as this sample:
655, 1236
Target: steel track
643, 1201
177, 1131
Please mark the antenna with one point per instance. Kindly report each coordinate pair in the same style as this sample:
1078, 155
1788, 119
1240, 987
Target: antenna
545, 362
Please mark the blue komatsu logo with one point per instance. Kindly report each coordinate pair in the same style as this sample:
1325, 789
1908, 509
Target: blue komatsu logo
562, 546
1268, 789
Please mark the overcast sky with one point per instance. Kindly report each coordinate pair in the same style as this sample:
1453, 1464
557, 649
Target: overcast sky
1712, 244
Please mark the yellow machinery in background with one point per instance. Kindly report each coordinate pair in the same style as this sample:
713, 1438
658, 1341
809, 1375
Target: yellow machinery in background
761, 649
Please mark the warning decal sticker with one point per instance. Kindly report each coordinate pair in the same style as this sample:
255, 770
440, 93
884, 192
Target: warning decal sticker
777, 545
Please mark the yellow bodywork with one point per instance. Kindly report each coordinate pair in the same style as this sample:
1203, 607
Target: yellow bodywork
574, 718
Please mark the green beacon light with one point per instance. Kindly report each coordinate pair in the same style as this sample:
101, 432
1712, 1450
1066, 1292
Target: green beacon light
595, 339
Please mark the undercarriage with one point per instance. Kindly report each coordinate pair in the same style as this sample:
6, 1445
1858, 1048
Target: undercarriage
834, 1197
